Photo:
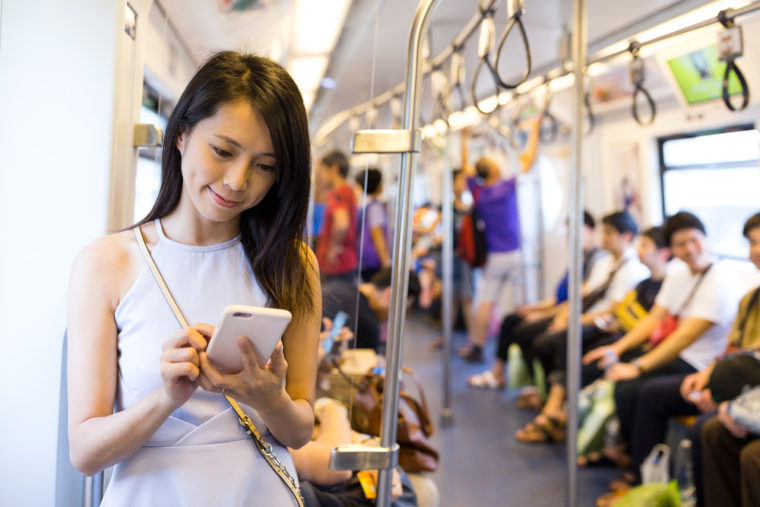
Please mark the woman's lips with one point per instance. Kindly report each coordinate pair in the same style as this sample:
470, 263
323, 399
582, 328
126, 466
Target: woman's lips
221, 201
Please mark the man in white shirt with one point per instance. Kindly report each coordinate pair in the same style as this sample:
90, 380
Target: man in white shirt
610, 280
701, 303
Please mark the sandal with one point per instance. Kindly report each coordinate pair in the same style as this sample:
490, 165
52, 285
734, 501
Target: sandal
486, 380
437, 343
530, 400
538, 432
624, 482
472, 353
595, 459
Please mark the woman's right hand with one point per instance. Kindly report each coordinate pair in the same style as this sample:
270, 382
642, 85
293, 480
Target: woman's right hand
180, 366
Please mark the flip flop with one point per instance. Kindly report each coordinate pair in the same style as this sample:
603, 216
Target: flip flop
485, 380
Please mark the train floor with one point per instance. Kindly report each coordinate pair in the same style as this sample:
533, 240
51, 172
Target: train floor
481, 462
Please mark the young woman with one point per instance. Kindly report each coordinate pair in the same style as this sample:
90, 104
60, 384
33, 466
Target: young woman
225, 229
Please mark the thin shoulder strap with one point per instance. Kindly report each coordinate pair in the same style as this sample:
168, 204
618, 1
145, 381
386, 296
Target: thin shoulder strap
261, 444
159, 279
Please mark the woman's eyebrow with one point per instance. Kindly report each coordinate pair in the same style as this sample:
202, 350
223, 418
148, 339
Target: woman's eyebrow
238, 145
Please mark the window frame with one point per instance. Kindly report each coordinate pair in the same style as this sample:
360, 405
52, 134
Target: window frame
661, 141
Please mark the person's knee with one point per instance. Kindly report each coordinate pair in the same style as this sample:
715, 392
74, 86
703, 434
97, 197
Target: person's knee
425, 489
649, 396
749, 458
712, 432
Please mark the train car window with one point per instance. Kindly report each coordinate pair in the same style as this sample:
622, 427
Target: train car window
714, 174
148, 171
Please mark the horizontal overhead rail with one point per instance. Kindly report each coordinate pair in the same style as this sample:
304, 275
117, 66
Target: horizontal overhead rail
338, 119
550, 72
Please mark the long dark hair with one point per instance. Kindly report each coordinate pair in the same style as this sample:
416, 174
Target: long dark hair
271, 231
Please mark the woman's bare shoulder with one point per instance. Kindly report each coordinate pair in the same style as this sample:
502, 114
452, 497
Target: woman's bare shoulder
111, 262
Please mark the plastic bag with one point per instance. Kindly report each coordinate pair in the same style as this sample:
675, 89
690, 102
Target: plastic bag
596, 404
655, 467
746, 409
518, 371
652, 495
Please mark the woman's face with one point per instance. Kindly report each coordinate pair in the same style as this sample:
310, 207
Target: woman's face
228, 162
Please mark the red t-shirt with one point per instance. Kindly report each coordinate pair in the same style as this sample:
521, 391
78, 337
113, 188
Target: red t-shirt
347, 260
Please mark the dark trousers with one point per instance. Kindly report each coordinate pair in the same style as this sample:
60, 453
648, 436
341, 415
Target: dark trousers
695, 435
730, 468
551, 350
658, 400
515, 330
627, 392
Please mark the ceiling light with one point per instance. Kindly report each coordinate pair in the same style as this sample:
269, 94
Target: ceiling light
308, 99
317, 25
328, 82
307, 71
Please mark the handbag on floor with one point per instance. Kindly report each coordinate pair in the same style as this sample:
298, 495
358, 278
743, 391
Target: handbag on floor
416, 453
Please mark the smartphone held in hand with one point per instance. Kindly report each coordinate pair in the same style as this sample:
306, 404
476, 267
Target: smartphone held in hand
262, 326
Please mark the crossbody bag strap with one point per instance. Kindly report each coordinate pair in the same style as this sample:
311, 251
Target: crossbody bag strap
264, 447
693, 291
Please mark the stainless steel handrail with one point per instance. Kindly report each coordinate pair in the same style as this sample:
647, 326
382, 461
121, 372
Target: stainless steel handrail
402, 245
576, 254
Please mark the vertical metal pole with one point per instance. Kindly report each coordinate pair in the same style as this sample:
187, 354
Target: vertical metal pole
402, 245
576, 259
447, 204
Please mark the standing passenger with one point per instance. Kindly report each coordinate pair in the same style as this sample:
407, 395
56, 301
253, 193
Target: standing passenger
496, 202
226, 228
336, 251
375, 237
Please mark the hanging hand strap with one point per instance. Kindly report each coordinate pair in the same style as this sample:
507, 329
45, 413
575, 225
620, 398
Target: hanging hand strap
264, 447
731, 66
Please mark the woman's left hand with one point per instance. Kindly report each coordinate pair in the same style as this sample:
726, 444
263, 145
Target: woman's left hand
255, 386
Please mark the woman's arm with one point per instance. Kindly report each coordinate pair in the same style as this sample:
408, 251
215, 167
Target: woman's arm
98, 438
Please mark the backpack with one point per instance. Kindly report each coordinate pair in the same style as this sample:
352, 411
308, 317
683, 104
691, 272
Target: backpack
472, 236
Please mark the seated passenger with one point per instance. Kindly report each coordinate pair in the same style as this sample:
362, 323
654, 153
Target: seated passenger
731, 452
745, 335
701, 300
531, 320
368, 303
321, 486
611, 279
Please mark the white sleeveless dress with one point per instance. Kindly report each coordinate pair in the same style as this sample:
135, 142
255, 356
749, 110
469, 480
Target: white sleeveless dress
200, 456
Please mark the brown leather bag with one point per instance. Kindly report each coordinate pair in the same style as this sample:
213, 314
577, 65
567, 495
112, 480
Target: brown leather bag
416, 453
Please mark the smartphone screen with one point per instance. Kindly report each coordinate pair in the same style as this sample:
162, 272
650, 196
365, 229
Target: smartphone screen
338, 322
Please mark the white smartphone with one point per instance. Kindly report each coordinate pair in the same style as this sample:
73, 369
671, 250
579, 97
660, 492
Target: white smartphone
262, 326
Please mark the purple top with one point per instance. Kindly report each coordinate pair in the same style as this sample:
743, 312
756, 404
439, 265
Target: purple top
497, 206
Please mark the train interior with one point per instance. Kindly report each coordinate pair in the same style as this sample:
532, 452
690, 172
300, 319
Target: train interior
656, 127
